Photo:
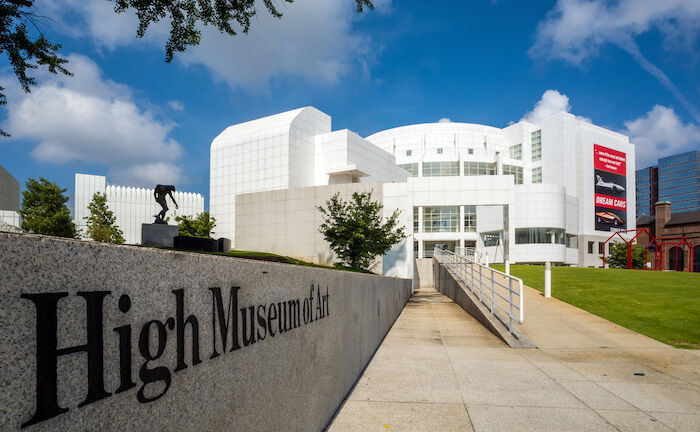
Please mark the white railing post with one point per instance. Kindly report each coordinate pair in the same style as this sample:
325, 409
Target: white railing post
492, 288
548, 279
510, 305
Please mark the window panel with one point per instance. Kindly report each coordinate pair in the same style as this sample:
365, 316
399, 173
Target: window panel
536, 145
537, 175
412, 168
539, 236
441, 219
516, 152
515, 171
491, 238
469, 218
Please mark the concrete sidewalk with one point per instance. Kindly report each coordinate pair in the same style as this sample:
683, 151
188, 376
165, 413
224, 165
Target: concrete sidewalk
440, 370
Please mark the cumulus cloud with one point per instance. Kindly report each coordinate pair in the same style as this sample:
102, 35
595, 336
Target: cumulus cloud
575, 30
445, 120
87, 118
660, 132
313, 40
552, 102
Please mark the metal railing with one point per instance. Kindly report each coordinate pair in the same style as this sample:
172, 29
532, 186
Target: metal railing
473, 254
496, 290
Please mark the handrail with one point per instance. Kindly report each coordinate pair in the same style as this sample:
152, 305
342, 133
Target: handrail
483, 282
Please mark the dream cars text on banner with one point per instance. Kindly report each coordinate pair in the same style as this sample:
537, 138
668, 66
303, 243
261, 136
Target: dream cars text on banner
610, 168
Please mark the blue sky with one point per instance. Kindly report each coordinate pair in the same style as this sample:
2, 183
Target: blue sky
630, 65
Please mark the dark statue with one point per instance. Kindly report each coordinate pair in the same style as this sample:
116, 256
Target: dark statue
160, 193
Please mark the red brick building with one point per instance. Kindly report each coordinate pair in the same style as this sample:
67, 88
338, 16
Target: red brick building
670, 229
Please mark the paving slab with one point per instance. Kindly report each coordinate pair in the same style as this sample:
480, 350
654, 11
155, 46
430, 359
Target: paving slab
439, 369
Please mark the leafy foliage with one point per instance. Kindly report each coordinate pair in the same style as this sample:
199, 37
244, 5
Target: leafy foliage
24, 51
188, 16
355, 229
618, 256
200, 226
102, 224
44, 209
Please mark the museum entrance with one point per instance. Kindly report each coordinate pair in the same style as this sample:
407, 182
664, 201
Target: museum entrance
449, 245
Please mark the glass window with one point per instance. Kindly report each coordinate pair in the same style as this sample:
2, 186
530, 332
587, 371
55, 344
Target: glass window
539, 235
412, 168
439, 150
470, 151
409, 152
415, 249
571, 241
441, 219
536, 145
469, 218
537, 175
416, 223
601, 248
439, 169
516, 152
515, 171
491, 238
590, 247
479, 168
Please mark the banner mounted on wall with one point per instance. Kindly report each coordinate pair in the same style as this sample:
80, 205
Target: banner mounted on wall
610, 169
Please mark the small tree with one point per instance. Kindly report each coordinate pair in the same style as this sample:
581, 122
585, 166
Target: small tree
355, 229
102, 224
618, 256
44, 209
200, 226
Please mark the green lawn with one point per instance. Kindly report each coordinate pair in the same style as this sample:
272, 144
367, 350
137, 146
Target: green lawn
662, 305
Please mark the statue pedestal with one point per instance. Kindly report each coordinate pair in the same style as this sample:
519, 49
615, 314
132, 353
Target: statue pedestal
161, 235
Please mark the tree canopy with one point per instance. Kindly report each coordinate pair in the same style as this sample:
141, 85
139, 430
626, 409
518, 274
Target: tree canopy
102, 224
356, 230
618, 256
200, 226
27, 50
44, 209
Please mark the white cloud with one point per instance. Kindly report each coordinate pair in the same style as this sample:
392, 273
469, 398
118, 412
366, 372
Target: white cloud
176, 105
87, 118
552, 102
659, 133
313, 40
575, 30
444, 120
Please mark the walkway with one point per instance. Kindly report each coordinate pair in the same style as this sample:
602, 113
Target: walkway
440, 370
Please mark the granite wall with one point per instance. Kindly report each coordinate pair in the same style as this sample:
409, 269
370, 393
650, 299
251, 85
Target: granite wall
114, 338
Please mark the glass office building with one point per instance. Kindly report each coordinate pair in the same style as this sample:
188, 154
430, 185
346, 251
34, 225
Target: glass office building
676, 179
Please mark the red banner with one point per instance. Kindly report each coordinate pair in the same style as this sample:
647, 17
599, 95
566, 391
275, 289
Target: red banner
609, 160
610, 202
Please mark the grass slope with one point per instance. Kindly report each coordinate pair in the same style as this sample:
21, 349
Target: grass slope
662, 305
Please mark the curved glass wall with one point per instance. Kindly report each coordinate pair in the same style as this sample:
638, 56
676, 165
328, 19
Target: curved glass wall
479, 168
439, 169
539, 236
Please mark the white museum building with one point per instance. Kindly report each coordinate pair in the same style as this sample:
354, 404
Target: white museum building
527, 193
132, 206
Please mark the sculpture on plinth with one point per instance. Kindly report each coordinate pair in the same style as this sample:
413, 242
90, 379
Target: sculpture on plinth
160, 193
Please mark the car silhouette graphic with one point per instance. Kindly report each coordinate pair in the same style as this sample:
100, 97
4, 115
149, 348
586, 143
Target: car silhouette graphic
609, 217
608, 185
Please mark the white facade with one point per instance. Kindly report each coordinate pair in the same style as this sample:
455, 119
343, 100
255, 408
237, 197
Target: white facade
525, 193
131, 206
9, 201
